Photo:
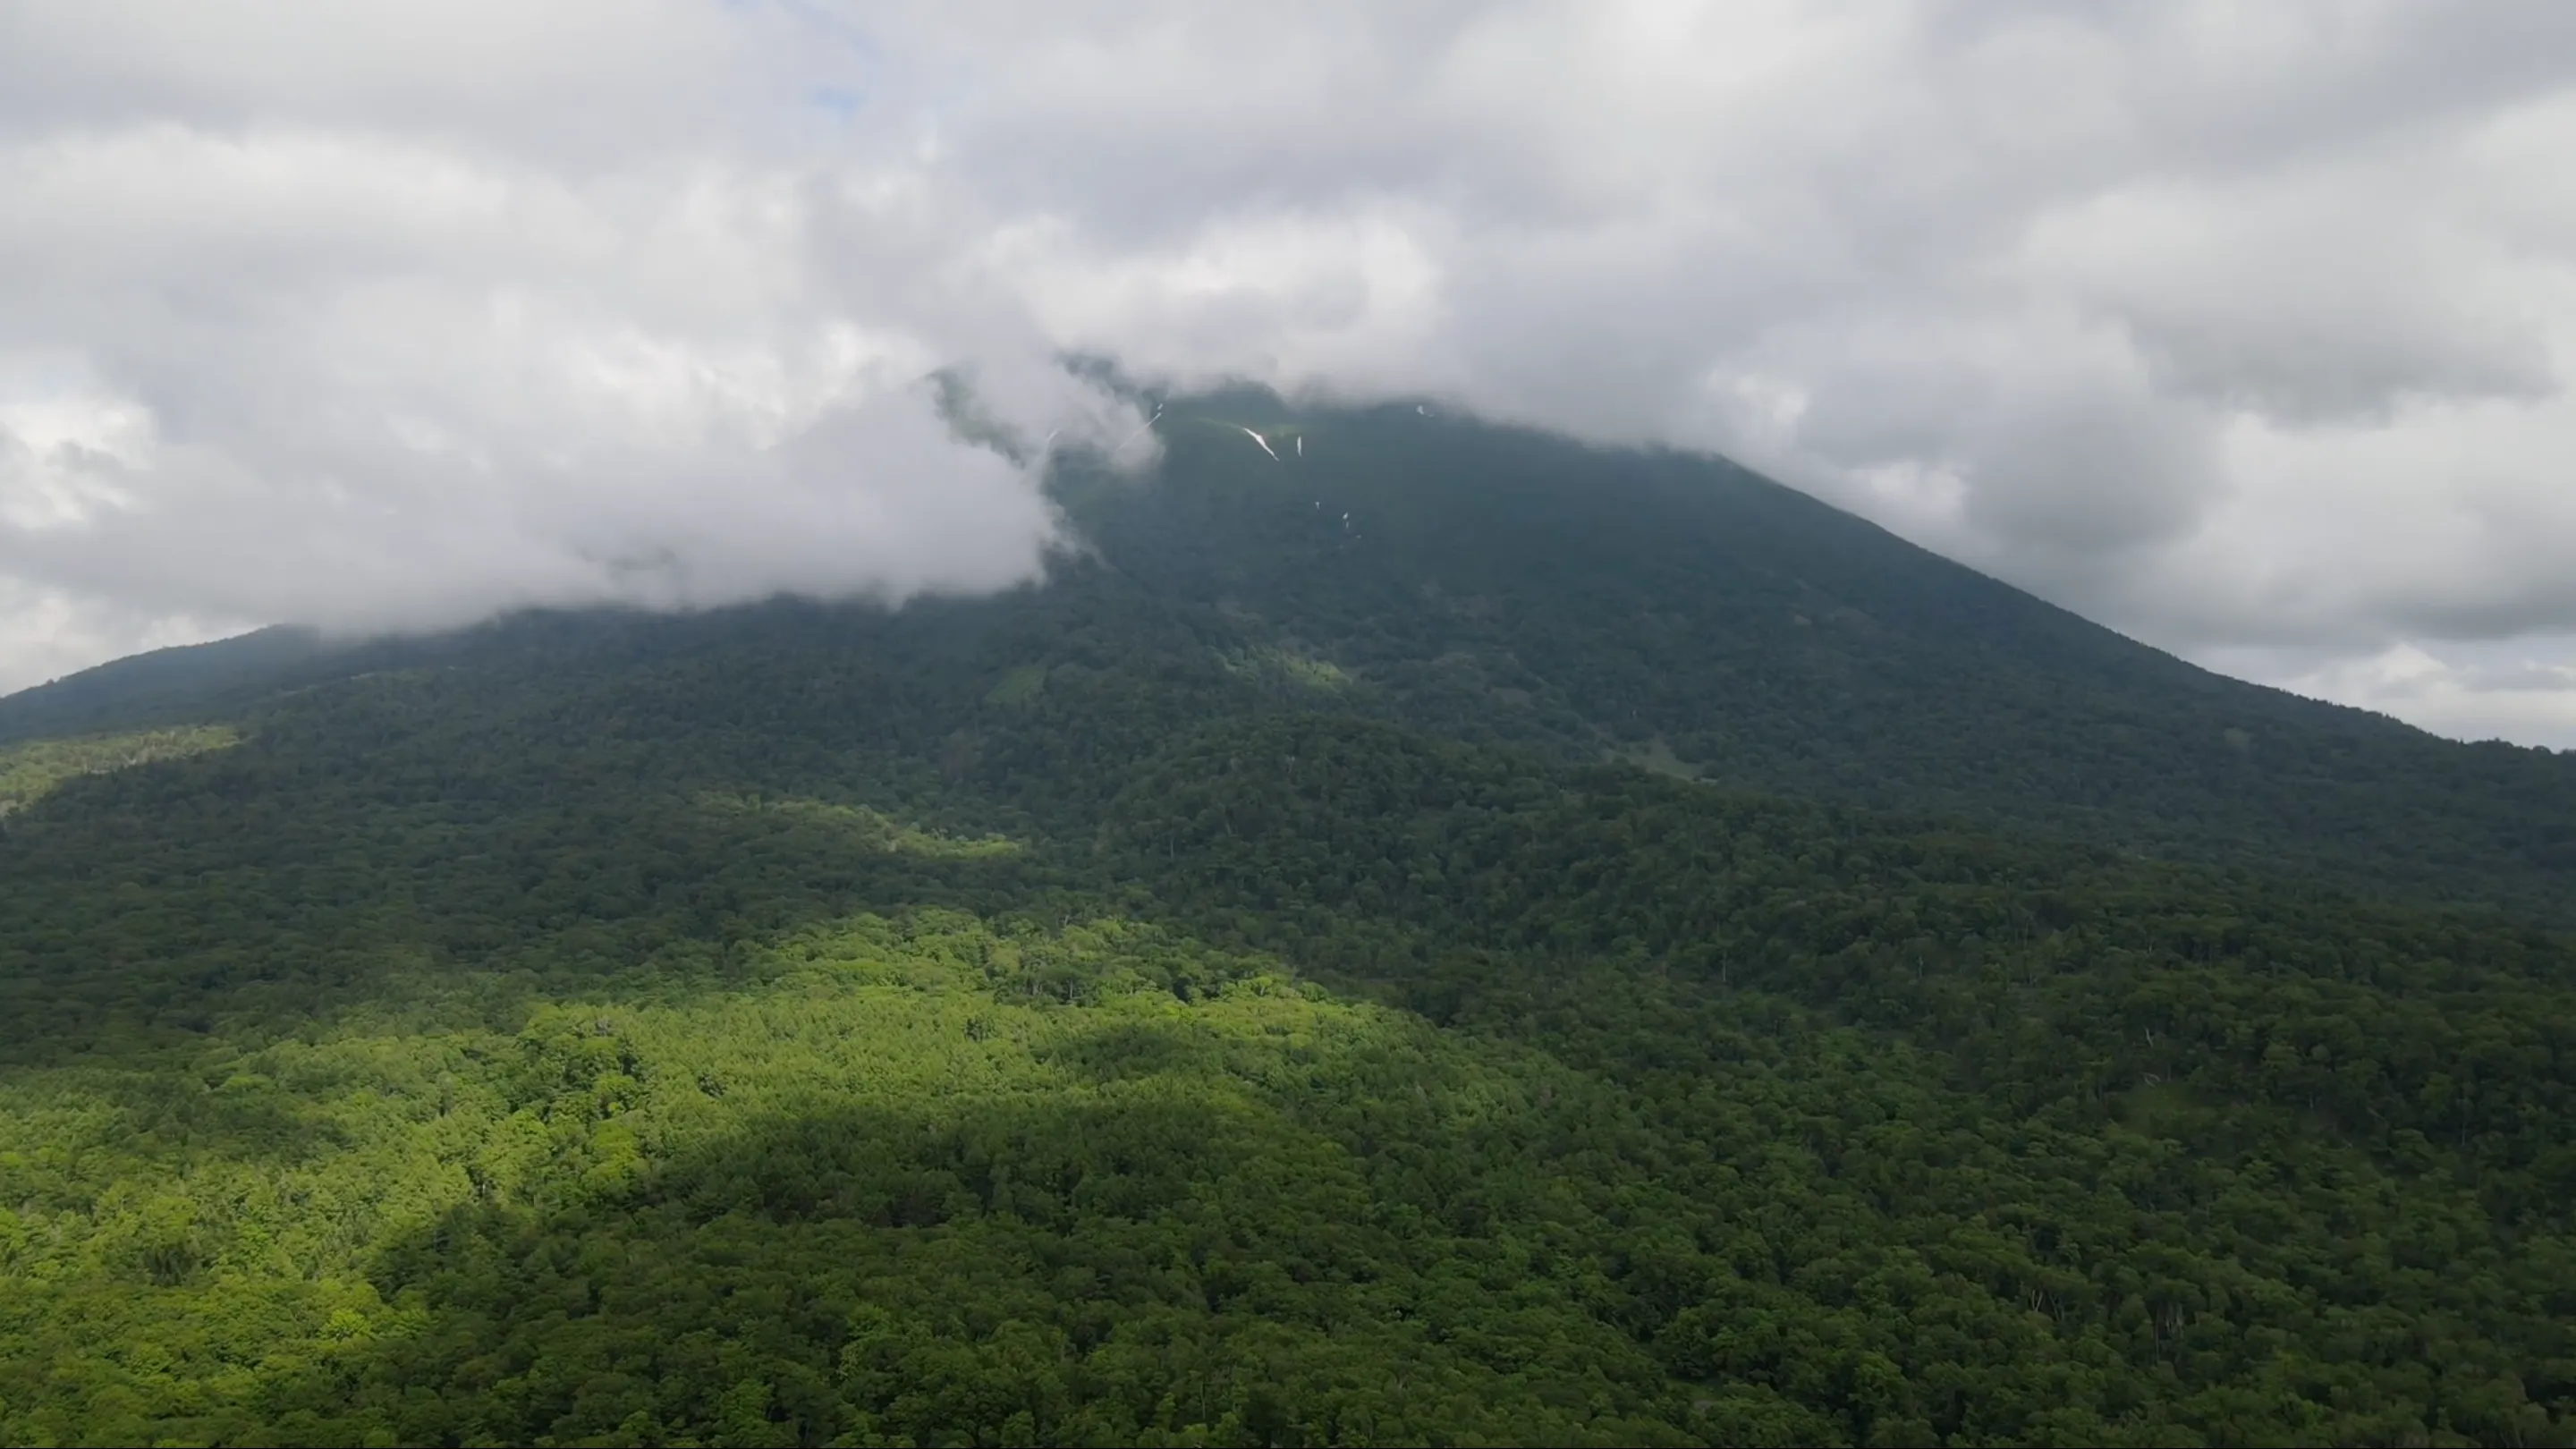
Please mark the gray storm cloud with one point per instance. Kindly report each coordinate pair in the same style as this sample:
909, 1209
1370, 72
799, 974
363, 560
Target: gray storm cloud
2243, 327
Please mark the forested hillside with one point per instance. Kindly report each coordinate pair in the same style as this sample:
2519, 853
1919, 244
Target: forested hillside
1237, 993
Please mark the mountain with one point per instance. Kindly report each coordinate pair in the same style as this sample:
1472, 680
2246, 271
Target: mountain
1487, 971
1507, 587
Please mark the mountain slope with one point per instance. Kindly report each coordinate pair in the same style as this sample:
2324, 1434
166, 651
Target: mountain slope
167, 685
1512, 586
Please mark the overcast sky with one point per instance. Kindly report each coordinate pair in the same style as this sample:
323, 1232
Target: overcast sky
2247, 329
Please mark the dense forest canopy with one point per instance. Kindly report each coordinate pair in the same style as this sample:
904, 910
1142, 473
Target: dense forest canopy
1594, 948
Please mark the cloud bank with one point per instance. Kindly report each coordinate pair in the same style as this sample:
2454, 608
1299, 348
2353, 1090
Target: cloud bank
2245, 328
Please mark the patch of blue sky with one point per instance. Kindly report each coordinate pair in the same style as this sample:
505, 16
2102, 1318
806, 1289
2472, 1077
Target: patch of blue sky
839, 102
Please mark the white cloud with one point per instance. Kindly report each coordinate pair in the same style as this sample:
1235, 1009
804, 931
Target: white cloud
2507, 689
364, 371
2244, 327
